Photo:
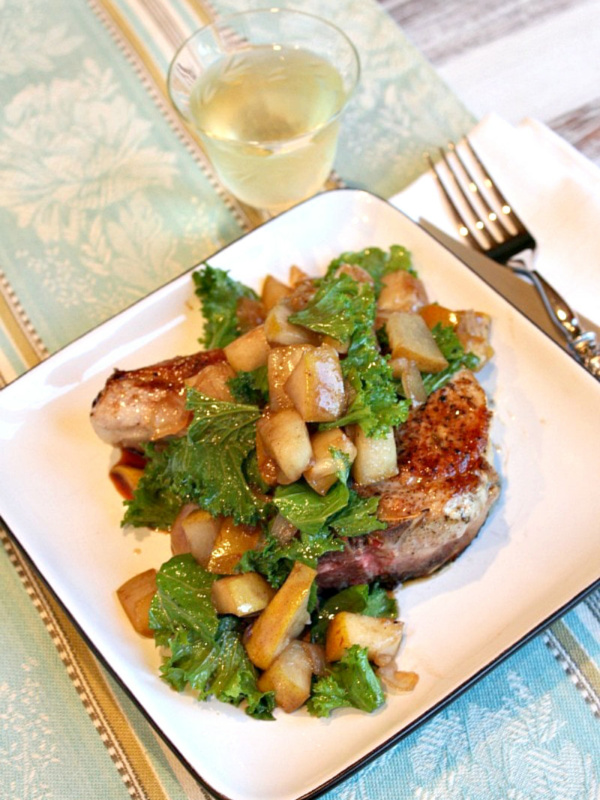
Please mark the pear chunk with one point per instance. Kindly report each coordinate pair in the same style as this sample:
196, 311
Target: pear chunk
283, 619
410, 338
316, 386
381, 636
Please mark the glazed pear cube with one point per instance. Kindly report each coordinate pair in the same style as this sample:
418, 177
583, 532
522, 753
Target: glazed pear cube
195, 532
285, 439
410, 338
316, 386
280, 331
376, 459
401, 291
381, 636
241, 595
280, 365
231, 543
135, 595
212, 381
289, 676
327, 465
249, 351
283, 619
273, 291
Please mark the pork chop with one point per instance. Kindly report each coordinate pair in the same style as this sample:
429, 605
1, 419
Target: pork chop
147, 404
439, 500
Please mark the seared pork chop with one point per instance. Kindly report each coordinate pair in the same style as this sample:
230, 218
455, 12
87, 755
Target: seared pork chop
147, 404
439, 500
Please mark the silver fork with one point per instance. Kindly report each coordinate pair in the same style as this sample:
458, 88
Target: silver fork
487, 222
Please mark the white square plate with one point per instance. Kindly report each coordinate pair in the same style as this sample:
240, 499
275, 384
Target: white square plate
538, 551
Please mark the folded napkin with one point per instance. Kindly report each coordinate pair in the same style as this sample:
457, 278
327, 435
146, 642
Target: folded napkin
553, 188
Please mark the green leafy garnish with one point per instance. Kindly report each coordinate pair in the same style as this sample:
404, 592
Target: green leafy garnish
339, 305
275, 560
321, 522
206, 652
377, 262
206, 467
453, 351
251, 388
306, 509
351, 682
345, 309
219, 295
375, 405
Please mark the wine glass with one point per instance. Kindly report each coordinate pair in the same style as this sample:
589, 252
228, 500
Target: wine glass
265, 91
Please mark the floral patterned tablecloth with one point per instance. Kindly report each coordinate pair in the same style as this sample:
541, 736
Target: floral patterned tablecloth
104, 195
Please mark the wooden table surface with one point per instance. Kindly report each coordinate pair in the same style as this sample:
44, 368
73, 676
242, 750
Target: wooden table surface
519, 58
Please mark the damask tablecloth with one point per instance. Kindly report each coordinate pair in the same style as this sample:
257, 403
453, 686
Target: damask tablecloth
104, 195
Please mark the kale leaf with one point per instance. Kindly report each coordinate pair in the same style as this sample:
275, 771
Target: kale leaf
219, 295
251, 388
206, 652
453, 351
206, 467
345, 309
349, 682
376, 262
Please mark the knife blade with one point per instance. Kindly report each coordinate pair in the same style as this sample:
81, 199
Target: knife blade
516, 290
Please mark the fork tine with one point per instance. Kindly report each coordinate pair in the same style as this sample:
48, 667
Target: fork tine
474, 187
465, 228
507, 210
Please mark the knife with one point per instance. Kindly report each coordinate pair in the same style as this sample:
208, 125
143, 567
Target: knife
516, 290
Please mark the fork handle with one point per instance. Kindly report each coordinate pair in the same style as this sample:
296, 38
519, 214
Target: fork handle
557, 307
583, 344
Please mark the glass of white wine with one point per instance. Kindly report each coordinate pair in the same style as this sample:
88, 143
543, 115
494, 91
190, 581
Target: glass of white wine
265, 91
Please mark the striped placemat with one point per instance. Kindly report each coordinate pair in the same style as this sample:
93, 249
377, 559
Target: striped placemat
104, 195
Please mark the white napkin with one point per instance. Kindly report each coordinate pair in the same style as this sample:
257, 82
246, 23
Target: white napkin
553, 188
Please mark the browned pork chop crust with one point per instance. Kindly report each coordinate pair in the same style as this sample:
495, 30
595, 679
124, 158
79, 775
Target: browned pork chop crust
439, 500
147, 404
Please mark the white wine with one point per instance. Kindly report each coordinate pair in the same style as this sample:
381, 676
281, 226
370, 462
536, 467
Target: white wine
269, 119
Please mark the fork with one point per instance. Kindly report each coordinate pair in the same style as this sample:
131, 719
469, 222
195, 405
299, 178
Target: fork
487, 222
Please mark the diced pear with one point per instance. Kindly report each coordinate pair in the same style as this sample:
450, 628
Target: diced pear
241, 595
297, 275
280, 365
410, 338
212, 381
381, 636
273, 291
267, 466
283, 619
201, 531
249, 351
316, 386
135, 595
376, 459
324, 471
290, 677
285, 438
401, 291
231, 543
279, 331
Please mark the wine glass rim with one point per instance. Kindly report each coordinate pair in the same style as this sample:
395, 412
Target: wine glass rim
222, 20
